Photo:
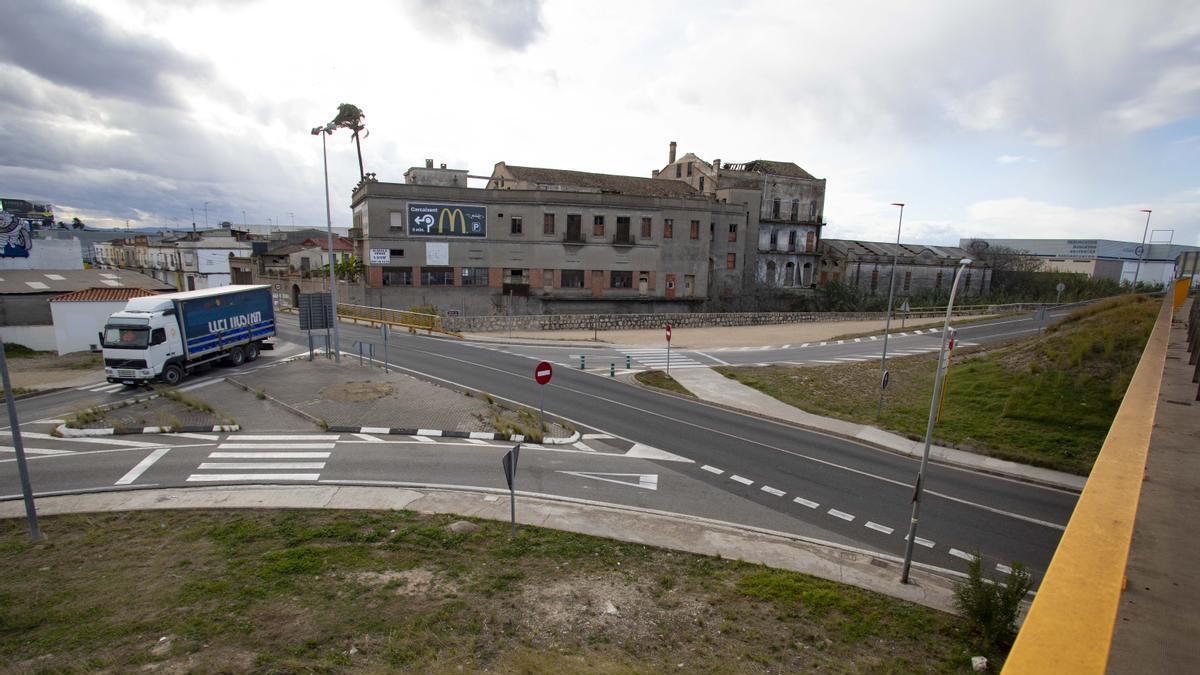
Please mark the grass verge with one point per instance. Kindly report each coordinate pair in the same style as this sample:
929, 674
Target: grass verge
328, 591
660, 380
1046, 401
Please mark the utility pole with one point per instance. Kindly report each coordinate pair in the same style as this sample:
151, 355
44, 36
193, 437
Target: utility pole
206, 215
1141, 251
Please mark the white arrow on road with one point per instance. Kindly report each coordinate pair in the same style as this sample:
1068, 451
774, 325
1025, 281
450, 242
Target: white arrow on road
646, 481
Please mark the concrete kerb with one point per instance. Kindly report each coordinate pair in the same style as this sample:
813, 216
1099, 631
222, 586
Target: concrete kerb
932, 586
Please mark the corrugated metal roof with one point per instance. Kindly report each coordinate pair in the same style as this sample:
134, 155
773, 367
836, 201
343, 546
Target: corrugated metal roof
103, 295
65, 281
887, 249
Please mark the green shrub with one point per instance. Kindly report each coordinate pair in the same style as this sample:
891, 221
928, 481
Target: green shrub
991, 608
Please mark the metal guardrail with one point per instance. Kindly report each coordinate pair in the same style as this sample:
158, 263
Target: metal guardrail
1070, 626
430, 323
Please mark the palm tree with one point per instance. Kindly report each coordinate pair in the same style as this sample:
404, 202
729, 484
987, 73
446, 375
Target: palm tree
351, 117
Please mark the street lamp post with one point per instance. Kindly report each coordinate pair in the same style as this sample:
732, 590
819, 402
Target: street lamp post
1141, 251
887, 326
937, 391
323, 132
206, 215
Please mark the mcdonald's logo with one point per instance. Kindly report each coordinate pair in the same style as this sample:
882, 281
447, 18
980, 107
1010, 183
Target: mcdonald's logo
454, 216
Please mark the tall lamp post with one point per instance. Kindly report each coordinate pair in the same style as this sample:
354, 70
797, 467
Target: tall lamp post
337, 342
937, 391
887, 327
1141, 250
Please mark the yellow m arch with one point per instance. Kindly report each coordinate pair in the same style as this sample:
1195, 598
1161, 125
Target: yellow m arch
455, 216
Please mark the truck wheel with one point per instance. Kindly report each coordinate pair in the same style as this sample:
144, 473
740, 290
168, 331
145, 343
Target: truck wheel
172, 375
236, 357
251, 351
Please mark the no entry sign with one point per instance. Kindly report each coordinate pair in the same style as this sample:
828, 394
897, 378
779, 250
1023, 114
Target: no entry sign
543, 372
668, 332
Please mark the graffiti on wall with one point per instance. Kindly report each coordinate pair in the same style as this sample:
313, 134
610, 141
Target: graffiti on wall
14, 235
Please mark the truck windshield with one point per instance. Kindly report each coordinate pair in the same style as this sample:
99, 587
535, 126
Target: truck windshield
126, 337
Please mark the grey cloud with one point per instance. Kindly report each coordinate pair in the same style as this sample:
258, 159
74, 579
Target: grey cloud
73, 46
515, 24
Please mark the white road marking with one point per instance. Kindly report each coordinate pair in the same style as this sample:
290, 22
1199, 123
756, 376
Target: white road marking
369, 438
805, 502
211, 477
873, 338
804, 345
923, 542
141, 467
961, 554
422, 439
738, 479
786, 347
595, 437
858, 339
275, 446
770, 490
878, 528
476, 441
224, 466
199, 437
840, 342
711, 357
579, 445
823, 344
202, 383
269, 455
1004, 569
841, 514
646, 481
91, 439
713, 469
37, 451
281, 437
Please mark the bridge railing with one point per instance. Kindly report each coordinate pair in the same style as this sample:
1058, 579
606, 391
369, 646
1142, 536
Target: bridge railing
1070, 625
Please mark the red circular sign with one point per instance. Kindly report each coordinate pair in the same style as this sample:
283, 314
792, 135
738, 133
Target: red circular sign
668, 332
543, 372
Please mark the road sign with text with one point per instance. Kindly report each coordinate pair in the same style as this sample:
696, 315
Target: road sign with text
543, 372
668, 332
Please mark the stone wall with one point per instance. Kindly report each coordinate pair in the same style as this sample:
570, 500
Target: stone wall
549, 322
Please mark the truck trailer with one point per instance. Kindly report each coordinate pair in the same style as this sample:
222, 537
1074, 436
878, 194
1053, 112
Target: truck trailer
161, 338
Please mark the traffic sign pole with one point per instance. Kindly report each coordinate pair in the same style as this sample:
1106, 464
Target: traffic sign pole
668, 350
542, 373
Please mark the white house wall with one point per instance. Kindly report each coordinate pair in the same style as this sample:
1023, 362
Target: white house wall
76, 324
40, 338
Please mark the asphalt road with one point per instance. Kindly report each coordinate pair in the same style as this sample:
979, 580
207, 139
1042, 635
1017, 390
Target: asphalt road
742, 469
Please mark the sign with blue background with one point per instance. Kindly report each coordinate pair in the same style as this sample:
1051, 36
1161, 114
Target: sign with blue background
210, 323
447, 220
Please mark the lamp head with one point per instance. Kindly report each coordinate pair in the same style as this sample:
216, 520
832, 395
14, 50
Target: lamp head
1145, 210
965, 261
316, 131
900, 204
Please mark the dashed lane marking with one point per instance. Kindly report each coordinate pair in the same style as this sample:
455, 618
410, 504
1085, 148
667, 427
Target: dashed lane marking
805, 502
878, 528
770, 490
738, 479
962, 554
713, 469
1003, 569
841, 514
922, 542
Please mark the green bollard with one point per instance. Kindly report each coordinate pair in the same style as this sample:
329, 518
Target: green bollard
628, 362
612, 369
581, 361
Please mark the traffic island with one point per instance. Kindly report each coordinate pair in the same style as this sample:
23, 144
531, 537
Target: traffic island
168, 411
353, 398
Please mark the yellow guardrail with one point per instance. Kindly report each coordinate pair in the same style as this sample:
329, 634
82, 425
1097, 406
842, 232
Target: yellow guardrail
414, 321
1069, 628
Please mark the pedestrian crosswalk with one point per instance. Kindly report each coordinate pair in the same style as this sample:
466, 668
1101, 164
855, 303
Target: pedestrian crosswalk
266, 458
657, 358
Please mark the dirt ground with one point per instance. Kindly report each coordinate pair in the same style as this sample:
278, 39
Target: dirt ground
47, 370
709, 338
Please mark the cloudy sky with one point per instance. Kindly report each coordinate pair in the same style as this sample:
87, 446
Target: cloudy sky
1014, 118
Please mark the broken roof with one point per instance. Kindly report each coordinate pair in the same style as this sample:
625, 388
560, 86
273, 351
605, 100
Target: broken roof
602, 182
855, 248
769, 167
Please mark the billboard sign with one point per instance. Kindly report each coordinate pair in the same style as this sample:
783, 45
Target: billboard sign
213, 261
447, 220
14, 235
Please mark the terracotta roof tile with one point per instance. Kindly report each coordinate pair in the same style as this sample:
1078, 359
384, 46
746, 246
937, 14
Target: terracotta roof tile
102, 295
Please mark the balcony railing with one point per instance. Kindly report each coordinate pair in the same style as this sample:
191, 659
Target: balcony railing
623, 240
574, 237
514, 280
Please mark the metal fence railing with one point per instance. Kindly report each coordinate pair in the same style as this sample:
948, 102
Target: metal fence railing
431, 323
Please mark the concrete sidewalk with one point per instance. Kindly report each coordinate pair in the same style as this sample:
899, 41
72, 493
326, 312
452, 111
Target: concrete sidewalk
848, 565
713, 387
1158, 621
